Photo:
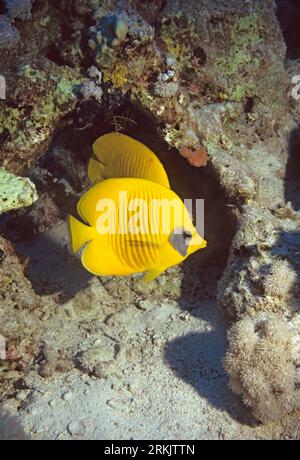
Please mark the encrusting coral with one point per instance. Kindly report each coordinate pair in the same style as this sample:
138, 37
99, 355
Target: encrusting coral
20, 9
9, 35
281, 279
166, 84
15, 192
14, 9
92, 88
109, 31
262, 366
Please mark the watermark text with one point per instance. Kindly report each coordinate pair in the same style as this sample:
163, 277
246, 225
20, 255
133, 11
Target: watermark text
2, 348
295, 93
155, 216
2, 87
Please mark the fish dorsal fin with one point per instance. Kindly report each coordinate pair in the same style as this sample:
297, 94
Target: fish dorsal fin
118, 155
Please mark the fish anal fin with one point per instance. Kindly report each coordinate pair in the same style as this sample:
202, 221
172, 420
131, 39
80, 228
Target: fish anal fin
100, 259
151, 274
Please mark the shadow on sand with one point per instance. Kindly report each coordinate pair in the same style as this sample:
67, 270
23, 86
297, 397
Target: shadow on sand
52, 269
196, 358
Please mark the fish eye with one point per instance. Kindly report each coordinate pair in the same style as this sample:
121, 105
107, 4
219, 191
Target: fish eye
186, 235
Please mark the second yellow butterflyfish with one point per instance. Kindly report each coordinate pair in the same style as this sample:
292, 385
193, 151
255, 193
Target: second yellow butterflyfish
118, 155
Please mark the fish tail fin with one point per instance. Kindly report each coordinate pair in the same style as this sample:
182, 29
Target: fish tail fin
79, 233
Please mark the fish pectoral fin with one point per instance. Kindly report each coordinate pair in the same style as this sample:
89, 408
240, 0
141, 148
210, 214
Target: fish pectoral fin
99, 258
150, 275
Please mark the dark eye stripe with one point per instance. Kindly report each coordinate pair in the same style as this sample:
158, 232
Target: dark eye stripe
187, 235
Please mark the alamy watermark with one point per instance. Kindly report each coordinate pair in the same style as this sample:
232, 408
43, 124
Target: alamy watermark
2, 87
156, 216
2, 348
295, 93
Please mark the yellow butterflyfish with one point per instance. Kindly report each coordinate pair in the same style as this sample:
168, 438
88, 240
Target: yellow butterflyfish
118, 155
131, 226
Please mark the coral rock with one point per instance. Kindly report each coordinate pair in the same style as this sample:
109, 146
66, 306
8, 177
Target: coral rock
15, 192
9, 35
260, 363
20, 9
196, 158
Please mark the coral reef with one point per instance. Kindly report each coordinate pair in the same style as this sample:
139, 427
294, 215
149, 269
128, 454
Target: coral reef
15, 192
214, 79
9, 35
27, 128
39, 92
85, 6
112, 32
92, 88
280, 280
14, 9
166, 84
20, 9
263, 366
95, 73
260, 272
293, 71
166, 89
18, 328
196, 158
109, 31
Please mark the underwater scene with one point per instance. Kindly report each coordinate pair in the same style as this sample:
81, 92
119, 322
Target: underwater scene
149, 221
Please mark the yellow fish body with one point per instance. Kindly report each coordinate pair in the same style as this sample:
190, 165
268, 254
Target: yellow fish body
117, 155
131, 226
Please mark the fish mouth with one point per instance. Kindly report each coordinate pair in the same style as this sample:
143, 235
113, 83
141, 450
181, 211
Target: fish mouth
203, 244
197, 243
